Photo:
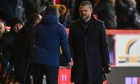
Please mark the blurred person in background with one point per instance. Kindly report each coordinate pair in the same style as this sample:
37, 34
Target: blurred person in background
89, 47
62, 14
36, 18
10, 9
22, 49
7, 42
127, 14
2, 32
35, 6
138, 5
7, 10
67, 16
106, 12
2, 28
3, 60
8, 38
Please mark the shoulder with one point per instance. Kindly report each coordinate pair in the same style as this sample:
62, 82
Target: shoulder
76, 21
61, 26
99, 22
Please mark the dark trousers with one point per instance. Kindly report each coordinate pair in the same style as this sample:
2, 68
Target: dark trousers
51, 72
88, 83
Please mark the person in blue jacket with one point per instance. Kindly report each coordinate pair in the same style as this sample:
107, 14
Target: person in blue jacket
49, 36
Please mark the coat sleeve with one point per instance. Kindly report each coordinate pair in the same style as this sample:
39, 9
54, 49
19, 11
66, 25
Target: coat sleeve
64, 44
104, 47
70, 40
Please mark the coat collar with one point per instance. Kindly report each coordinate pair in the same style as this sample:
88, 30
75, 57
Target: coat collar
87, 28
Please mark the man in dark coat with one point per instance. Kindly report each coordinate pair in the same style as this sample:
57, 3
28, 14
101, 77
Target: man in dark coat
89, 48
22, 49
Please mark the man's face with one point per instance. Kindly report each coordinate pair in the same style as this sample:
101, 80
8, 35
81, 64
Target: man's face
18, 27
2, 28
85, 12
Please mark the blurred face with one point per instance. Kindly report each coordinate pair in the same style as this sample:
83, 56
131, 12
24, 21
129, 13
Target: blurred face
132, 3
2, 28
18, 27
112, 2
85, 12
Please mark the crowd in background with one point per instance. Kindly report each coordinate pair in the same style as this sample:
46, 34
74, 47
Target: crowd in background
18, 14
117, 14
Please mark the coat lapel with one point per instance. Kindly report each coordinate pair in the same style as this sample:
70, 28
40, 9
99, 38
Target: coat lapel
91, 28
81, 28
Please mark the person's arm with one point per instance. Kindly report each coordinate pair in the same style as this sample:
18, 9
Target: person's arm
65, 46
104, 49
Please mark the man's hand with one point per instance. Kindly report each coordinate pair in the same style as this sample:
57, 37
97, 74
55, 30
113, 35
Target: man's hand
70, 64
107, 69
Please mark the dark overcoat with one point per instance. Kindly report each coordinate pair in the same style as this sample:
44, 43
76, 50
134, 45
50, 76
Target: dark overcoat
90, 50
21, 51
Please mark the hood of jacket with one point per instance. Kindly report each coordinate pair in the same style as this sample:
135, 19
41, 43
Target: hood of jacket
49, 19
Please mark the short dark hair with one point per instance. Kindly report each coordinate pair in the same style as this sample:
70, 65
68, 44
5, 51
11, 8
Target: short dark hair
16, 20
84, 3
